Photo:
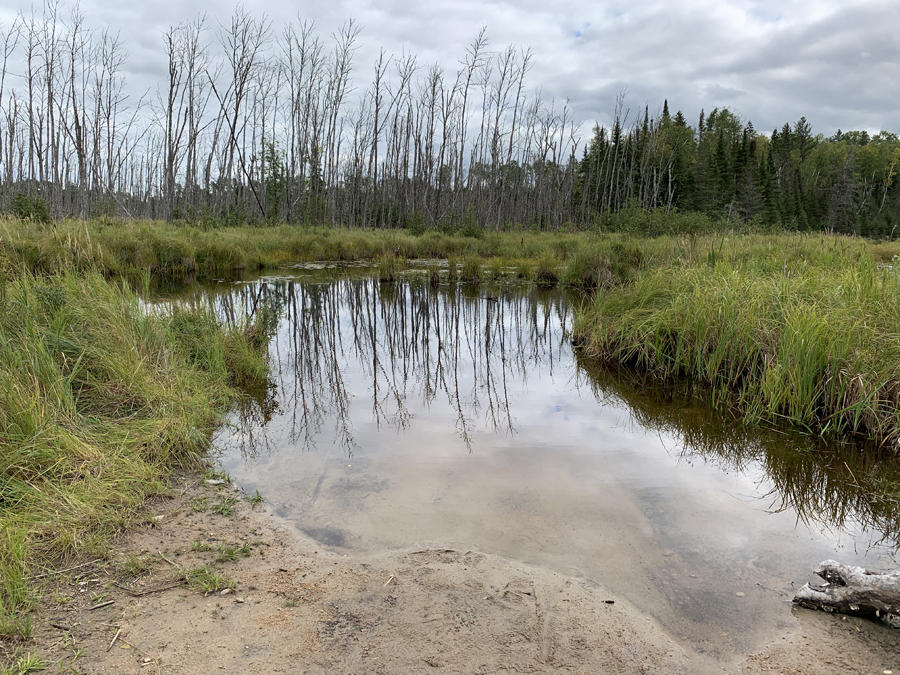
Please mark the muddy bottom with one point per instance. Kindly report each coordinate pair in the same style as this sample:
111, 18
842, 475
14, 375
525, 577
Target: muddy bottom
290, 606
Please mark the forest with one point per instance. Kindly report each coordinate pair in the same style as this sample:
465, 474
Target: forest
254, 124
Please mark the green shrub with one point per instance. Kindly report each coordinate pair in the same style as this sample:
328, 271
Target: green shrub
30, 206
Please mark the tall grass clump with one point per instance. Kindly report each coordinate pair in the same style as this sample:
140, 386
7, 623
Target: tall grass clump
588, 270
524, 270
453, 265
434, 274
815, 342
389, 268
546, 273
471, 272
496, 268
101, 399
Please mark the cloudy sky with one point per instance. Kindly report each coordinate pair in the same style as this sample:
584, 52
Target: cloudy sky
771, 61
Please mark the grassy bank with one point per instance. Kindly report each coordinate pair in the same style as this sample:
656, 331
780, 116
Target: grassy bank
99, 402
798, 329
582, 259
171, 252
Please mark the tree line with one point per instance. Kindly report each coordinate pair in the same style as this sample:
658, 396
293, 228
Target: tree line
725, 169
251, 124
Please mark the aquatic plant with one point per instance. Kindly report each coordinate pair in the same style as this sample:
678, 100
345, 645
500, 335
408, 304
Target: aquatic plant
547, 272
389, 267
471, 270
434, 275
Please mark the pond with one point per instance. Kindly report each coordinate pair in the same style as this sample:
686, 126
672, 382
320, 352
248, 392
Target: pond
405, 415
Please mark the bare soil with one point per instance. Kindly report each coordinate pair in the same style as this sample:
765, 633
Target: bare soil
295, 608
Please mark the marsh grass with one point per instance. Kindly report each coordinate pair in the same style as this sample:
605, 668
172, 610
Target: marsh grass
453, 265
100, 401
177, 252
389, 267
496, 267
802, 333
434, 275
587, 271
524, 270
470, 272
174, 253
15, 599
546, 273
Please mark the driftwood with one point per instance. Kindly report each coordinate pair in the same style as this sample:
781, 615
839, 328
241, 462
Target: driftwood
856, 591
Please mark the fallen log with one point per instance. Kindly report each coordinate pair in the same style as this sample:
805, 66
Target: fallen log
855, 591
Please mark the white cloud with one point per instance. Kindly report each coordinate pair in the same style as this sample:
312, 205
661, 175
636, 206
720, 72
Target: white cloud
837, 64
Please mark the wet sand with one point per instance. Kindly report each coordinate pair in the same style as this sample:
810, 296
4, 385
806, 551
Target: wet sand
296, 608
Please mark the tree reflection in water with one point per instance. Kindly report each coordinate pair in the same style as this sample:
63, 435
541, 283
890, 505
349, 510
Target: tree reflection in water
409, 346
411, 341
850, 488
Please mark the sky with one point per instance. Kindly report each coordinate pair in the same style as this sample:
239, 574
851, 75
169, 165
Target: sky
770, 61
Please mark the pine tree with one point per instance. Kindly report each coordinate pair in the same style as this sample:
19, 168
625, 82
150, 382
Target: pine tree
724, 181
769, 188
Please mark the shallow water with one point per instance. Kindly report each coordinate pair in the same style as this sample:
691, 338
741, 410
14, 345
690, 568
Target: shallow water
407, 416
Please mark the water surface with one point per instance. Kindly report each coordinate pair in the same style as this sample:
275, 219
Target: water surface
409, 416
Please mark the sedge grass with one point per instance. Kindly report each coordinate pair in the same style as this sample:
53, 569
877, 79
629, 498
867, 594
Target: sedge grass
389, 267
471, 272
811, 340
547, 272
170, 252
100, 401
582, 259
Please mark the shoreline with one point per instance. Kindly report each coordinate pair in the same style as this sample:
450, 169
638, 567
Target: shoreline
295, 607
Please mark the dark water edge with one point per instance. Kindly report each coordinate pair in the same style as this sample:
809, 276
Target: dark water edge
848, 485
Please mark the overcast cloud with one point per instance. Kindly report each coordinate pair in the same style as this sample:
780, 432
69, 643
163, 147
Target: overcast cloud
837, 63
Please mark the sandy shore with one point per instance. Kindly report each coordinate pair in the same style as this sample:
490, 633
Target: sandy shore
294, 608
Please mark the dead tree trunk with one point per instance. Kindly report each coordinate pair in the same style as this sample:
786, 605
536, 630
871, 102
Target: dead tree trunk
856, 591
